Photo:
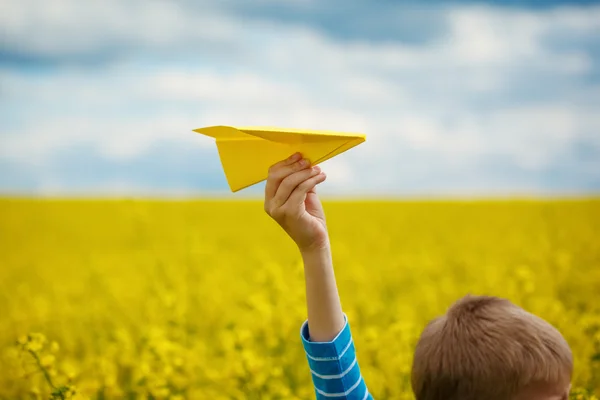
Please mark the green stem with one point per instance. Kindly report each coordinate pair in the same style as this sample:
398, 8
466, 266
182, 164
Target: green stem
46, 374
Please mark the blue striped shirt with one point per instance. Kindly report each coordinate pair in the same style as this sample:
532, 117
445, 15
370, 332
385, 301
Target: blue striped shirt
334, 367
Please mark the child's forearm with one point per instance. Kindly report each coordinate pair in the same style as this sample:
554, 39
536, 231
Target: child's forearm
325, 317
291, 199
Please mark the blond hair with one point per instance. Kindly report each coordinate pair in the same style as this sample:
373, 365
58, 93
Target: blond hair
487, 348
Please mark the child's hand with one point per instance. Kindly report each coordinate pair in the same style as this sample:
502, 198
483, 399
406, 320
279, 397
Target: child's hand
291, 200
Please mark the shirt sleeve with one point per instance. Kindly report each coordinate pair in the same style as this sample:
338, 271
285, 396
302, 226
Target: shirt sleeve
334, 367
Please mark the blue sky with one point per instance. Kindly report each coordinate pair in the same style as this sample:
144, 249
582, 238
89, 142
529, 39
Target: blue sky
456, 98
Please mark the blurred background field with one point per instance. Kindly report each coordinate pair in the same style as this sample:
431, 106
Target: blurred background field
204, 299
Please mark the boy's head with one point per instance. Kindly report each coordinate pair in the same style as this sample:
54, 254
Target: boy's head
488, 348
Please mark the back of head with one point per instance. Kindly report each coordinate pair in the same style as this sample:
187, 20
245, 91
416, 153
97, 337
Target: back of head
487, 348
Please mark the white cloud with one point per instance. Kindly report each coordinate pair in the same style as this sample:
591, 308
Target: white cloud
411, 100
212, 86
35, 142
68, 27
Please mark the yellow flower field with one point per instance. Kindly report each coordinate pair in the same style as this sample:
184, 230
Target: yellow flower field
204, 299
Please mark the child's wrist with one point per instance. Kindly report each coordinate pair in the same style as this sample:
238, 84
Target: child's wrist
315, 249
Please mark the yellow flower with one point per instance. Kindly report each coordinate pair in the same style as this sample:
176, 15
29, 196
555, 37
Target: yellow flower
22, 340
54, 347
204, 299
47, 361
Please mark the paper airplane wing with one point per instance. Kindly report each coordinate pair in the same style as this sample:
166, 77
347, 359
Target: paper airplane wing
246, 153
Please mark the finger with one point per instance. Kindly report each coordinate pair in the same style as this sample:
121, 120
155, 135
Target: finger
278, 173
271, 186
290, 183
290, 160
298, 196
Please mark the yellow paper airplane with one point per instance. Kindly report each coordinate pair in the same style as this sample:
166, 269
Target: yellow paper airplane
247, 152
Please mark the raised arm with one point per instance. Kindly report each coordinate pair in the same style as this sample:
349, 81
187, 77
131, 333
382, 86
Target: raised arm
292, 201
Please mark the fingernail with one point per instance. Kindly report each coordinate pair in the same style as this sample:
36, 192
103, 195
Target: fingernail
303, 162
316, 168
295, 156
